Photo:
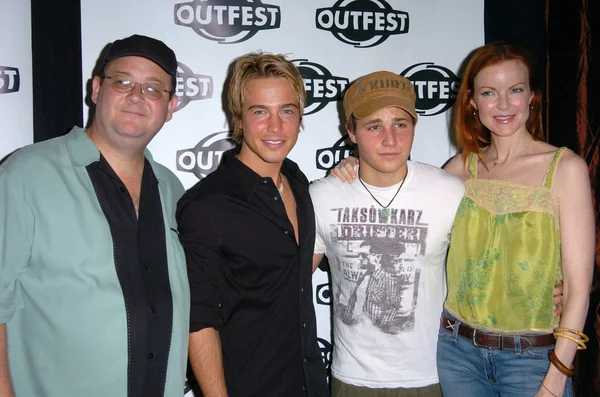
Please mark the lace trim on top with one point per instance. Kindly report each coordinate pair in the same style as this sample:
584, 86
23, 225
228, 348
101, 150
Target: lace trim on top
503, 197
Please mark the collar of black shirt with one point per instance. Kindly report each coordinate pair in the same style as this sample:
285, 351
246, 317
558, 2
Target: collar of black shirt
247, 179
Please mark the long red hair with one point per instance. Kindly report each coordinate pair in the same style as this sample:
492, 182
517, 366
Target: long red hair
471, 135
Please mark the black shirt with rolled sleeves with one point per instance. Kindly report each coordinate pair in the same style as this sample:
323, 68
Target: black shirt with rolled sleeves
251, 281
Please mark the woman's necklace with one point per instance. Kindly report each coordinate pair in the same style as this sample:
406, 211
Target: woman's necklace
495, 163
384, 212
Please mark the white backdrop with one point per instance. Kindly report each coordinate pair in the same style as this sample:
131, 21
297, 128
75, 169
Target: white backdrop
16, 100
424, 40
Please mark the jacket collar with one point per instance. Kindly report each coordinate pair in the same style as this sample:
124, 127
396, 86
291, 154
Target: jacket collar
83, 151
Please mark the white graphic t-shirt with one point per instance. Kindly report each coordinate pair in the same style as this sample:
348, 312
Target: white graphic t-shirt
387, 273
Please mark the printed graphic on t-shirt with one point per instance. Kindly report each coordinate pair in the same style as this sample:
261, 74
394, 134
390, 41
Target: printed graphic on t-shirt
377, 254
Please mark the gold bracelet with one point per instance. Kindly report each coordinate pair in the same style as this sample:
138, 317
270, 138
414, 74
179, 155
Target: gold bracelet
549, 391
583, 336
580, 342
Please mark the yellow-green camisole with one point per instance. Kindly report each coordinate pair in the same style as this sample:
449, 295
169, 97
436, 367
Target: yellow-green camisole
504, 257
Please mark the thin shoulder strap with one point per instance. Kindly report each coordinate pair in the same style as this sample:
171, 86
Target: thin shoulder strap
552, 167
473, 165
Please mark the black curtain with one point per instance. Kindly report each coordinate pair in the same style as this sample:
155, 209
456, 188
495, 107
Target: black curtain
56, 52
520, 22
561, 36
574, 121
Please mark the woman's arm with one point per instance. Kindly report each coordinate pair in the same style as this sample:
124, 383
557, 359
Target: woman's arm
458, 167
576, 214
344, 170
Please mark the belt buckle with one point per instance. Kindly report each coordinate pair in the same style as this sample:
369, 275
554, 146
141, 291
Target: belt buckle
474, 338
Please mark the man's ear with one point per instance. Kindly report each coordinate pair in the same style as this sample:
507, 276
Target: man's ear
171, 107
95, 89
351, 134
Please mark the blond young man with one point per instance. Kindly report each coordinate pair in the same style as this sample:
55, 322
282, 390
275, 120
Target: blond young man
248, 232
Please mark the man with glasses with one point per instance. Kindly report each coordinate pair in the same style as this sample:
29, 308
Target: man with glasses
94, 297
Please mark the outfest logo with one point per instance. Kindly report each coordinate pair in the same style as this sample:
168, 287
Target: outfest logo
10, 79
321, 86
205, 157
436, 87
326, 348
227, 21
328, 157
362, 23
191, 87
323, 294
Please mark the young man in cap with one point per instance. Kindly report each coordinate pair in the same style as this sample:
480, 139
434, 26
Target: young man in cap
248, 232
93, 287
385, 234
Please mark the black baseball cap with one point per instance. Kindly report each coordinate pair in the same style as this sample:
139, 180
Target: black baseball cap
145, 47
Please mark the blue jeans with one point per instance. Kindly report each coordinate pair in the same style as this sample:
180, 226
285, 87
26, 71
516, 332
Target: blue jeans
467, 370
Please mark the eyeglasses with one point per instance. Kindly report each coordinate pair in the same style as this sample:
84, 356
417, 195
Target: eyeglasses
122, 83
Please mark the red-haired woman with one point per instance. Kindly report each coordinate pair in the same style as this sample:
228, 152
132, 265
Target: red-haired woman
525, 222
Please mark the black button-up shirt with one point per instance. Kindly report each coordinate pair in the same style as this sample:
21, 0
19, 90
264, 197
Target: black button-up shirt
251, 281
141, 263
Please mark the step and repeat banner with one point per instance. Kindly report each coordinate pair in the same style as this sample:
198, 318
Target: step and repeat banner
16, 95
331, 42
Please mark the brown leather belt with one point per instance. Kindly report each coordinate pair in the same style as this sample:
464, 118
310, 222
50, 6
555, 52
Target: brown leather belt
497, 341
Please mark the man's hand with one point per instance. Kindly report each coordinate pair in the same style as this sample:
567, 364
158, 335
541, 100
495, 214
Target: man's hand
344, 171
5, 384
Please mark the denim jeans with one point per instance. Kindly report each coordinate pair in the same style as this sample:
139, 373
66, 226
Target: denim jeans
467, 370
